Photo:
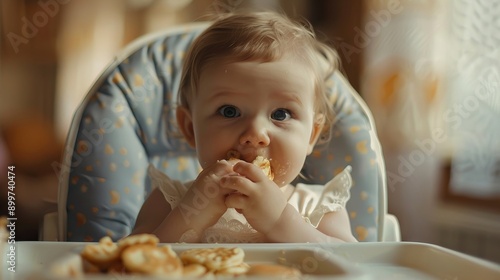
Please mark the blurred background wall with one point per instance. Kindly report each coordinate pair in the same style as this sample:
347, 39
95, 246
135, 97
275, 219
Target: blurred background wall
429, 71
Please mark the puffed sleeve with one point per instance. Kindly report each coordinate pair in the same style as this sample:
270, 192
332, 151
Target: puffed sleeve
314, 201
172, 190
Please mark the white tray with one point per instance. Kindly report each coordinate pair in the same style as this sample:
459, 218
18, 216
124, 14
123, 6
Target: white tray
399, 260
411, 260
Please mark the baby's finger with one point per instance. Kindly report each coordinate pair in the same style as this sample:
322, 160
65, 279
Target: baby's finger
219, 169
237, 201
237, 183
249, 170
233, 161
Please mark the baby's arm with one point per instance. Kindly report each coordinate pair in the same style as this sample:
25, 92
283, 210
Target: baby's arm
157, 217
291, 227
152, 213
200, 208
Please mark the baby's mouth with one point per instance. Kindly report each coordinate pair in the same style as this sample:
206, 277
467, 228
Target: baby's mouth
232, 154
248, 157
262, 162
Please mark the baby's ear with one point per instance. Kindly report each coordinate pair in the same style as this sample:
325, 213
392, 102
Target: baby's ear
185, 123
319, 122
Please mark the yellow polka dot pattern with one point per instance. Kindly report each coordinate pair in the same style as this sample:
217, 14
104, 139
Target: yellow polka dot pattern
361, 233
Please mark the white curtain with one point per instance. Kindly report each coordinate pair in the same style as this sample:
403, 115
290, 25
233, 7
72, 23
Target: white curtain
473, 112
403, 70
432, 79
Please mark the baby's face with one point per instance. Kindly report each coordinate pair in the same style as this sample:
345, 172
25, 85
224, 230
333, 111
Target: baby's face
256, 108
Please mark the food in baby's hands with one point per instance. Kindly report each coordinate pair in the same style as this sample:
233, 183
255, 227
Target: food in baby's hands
263, 163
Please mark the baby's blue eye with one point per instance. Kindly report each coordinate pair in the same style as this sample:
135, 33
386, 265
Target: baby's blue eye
229, 111
281, 115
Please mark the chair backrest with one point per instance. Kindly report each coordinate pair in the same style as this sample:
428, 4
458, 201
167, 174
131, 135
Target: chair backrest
127, 121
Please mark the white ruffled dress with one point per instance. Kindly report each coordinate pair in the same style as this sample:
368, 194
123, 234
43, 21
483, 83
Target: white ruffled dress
311, 201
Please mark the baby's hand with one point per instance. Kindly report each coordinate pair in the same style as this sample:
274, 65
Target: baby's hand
258, 198
205, 197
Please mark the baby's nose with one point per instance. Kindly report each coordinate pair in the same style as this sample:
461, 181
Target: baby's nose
255, 135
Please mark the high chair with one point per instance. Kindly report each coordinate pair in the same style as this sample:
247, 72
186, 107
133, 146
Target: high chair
127, 121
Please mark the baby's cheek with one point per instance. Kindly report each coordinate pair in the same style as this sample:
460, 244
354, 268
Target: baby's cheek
285, 173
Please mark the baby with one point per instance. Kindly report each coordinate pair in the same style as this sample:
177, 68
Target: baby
252, 84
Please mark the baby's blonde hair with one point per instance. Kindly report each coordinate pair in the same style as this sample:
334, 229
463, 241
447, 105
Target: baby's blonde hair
260, 36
